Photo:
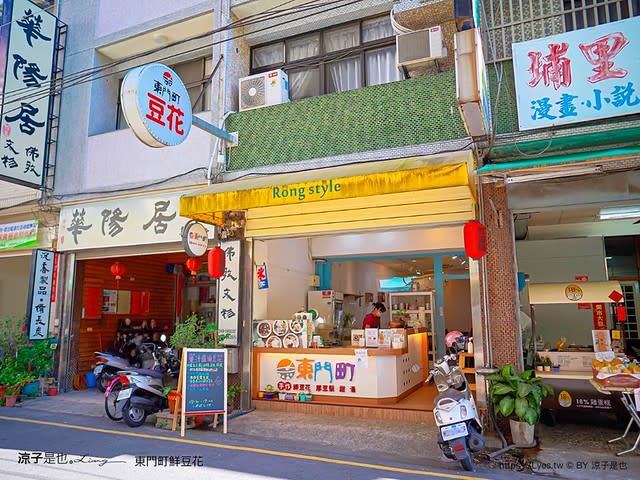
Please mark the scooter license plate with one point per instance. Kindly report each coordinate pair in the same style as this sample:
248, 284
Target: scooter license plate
456, 430
124, 394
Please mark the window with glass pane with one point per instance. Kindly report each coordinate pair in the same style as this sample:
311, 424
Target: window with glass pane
341, 38
380, 66
344, 75
192, 75
376, 28
303, 47
304, 83
268, 55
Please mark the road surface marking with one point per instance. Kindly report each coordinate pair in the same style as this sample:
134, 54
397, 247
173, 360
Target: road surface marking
263, 451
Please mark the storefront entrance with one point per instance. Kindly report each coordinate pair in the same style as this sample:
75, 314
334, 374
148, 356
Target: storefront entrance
154, 291
426, 291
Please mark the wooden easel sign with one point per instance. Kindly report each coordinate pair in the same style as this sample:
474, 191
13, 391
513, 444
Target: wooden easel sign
202, 386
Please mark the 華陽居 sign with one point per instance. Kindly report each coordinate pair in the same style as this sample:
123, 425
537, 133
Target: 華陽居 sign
578, 76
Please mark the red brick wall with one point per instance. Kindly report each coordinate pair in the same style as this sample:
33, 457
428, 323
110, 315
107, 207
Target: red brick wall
503, 321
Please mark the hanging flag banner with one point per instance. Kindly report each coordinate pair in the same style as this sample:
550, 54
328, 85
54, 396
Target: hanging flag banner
31, 35
262, 276
40, 294
18, 235
599, 316
229, 293
577, 76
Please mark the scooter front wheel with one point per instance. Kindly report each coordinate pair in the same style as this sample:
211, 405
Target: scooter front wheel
133, 416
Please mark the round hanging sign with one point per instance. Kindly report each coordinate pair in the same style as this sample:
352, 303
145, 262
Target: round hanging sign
156, 105
195, 239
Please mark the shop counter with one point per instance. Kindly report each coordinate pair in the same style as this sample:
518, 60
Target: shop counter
340, 375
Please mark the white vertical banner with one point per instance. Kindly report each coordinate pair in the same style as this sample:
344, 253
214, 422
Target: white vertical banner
40, 294
229, 292
26, 100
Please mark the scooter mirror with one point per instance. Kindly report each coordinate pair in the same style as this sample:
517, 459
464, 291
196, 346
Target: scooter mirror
163, 338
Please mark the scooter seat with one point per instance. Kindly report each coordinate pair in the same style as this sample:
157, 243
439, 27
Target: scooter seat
147, 372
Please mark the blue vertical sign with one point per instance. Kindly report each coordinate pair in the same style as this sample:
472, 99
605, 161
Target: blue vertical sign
40, 294
578, 76
262, 276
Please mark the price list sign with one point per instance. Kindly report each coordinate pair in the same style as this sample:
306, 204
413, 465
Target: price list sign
204, 383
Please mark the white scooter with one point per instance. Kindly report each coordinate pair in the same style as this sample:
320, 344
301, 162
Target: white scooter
455, 413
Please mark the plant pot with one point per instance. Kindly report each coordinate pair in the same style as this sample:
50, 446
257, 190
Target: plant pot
269, 395
539, 368
199, 421
260, 394
547, 368
31, 389
282, 396
52, 391
11, 400
172, 398
556, 369
521, 432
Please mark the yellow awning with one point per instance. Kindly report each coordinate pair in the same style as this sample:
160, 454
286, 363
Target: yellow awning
417, 185
574, 292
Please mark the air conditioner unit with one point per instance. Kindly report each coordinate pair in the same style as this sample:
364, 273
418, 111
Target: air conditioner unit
417, 48
264, 89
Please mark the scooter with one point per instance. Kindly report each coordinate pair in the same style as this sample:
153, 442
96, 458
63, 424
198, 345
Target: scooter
108, 365
136, 393
455, 412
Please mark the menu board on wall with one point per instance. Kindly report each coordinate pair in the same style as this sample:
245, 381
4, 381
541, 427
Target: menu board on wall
109, 301
205, 381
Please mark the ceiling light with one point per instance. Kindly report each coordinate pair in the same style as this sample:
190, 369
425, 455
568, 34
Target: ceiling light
454, 257
608, 258
550, 175
621, 212
413, 260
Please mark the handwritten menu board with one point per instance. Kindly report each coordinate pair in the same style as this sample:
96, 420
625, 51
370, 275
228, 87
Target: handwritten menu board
205, 381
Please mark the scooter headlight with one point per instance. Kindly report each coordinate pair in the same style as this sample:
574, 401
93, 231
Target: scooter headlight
463, 411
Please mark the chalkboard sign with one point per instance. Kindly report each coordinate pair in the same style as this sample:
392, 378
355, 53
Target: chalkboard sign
204, 388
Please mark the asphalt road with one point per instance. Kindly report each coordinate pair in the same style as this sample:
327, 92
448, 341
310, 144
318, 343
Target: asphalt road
52, 446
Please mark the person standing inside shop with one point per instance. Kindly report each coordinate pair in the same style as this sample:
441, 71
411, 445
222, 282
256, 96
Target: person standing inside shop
372, 320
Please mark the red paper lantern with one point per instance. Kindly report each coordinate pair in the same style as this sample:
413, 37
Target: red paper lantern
194, 264
118, 270
475, 239
622, 313
216, 263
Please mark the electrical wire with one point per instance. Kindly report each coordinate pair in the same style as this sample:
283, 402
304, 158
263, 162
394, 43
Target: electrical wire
87, 75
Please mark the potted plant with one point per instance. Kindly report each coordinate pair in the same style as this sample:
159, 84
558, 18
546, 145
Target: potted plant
232, 392
195, 332
518, 397
547, 364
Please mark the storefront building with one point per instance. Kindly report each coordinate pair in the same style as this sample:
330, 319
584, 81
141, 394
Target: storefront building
125, 276
564, 195
334, 236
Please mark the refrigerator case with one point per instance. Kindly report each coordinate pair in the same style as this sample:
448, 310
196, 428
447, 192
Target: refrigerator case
328, 304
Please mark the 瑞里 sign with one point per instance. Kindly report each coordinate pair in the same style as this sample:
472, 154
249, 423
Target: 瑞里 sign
156, 105
578, 76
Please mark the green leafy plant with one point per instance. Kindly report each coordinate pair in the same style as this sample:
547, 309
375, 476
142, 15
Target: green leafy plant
233, 391
518, 395
194, 332
346, 319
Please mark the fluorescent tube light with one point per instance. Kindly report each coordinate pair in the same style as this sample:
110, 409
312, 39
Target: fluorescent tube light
572, 172
619, 213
